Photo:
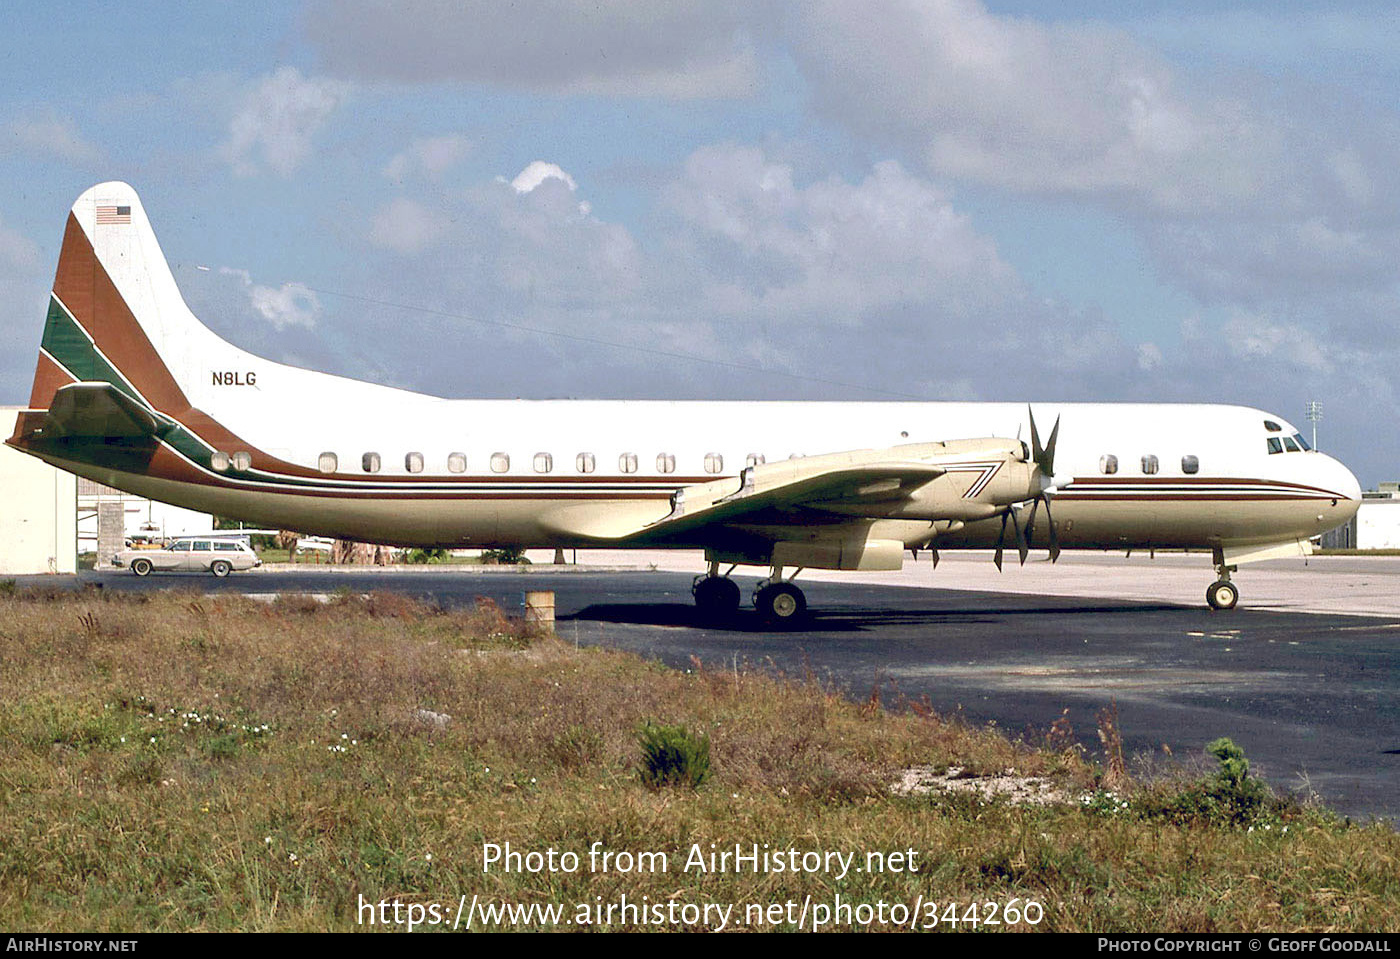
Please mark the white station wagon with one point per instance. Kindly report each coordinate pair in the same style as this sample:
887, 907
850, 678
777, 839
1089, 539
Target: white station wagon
217, 556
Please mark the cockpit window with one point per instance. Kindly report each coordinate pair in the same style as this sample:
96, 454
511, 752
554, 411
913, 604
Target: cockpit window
1289, 445
1272, 427
1274, 445
1298, 438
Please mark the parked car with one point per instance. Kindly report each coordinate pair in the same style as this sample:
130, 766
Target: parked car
217, 556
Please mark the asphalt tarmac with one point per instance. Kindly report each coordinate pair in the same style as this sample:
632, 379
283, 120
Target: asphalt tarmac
1313, 698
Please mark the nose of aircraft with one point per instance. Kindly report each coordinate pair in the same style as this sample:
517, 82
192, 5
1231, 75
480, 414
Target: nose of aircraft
1343, 481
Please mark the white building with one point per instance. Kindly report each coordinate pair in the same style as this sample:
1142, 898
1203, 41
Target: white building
1376, 524
48, 517
38, 511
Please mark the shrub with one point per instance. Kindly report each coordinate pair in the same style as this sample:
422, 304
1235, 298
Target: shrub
672, 756
1228, 797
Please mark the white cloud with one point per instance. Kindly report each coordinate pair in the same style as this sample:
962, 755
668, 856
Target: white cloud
1149, 356
662, 48
1253, 337
430, 156
278, 119
53, 137
291, 304
536, 173
1073, 108
833, 251
407, 226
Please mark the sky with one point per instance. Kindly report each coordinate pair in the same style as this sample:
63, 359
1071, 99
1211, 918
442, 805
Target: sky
745, 199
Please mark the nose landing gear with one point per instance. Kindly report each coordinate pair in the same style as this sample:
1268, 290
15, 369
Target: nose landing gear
1222, 594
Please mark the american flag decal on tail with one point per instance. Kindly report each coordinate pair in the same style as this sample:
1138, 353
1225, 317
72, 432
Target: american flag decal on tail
109, 214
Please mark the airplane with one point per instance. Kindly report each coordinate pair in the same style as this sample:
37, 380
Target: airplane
133, 391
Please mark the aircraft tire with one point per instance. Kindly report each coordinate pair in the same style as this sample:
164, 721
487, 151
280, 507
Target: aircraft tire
221, 568
141, 567
716, 596
780, 604
1222, 595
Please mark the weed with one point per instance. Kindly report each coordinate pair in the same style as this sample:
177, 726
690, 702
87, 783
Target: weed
1115, 770
672, 756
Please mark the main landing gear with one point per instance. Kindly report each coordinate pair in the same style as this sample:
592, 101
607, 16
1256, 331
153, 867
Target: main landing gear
1222, 594
778, 601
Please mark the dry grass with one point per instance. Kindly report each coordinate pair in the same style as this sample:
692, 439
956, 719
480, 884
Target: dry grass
175, 761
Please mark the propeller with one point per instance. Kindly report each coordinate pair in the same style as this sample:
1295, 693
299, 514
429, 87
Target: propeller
1044, 459
1022, 539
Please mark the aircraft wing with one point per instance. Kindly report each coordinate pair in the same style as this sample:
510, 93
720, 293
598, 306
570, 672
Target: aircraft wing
911, 481
100, 410
841, 484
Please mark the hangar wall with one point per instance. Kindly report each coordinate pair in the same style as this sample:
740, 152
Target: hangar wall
38, 511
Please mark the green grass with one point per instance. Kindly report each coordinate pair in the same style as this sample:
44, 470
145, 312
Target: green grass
175, 761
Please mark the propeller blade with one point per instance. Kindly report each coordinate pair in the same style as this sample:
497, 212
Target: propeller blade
1054, 538
1044, 455
1022, 547
935, 558
1035, 434
1030, 521
1001, 543
1048, 466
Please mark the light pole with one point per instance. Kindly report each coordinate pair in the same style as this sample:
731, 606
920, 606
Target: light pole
1314, 413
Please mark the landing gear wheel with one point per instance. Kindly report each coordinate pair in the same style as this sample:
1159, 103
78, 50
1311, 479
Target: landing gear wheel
141, 567
1222, 595
221, 568
716, 596
780, 604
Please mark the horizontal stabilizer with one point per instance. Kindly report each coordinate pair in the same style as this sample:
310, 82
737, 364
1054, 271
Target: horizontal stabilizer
100, 410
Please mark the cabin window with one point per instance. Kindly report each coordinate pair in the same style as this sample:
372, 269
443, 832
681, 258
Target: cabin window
456, 462
1108, 463
370, 462
754, 459
500, 462
226, 547
544, 463
413, 462
202, 546
665, 462
1149, 464
1272, 427
327, 463
1275, 446
585, 463
714, 463
1298, 438
1190, 464
1289, 445
219, 461
242, 460
627, 462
